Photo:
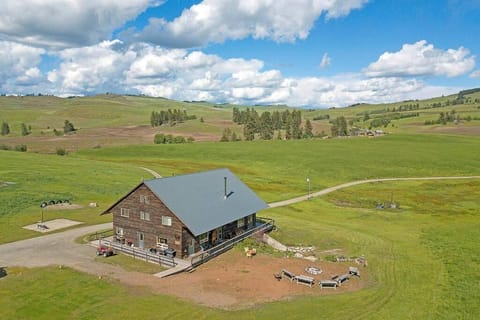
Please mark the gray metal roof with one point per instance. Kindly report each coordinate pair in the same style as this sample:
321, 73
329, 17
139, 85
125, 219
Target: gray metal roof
198, 199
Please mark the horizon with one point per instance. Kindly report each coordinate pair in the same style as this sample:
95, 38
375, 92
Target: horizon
321, 54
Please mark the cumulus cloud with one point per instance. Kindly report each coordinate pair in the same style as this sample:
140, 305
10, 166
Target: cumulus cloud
19, 66
59, 23
220, 20
180, 74
422, 59
92, 69
326, 61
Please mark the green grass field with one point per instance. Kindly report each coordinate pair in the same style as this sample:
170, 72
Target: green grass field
423, 257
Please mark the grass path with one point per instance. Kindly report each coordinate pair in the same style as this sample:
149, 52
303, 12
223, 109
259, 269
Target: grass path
354, 183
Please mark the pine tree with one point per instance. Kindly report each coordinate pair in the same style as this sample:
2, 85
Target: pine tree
25, 131
308, 130
68, 127
5, 129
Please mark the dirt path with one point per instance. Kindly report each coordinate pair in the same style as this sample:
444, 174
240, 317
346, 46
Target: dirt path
153, 173
354, 183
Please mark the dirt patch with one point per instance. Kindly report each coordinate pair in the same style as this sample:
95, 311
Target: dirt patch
233, 281
52, 225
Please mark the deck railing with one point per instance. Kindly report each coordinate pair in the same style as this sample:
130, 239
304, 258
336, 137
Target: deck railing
263, 225
138, 253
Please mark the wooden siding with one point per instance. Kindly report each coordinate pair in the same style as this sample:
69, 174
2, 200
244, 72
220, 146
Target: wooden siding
151, 229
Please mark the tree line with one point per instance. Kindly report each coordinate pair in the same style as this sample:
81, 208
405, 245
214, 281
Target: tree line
170, 117
265, 124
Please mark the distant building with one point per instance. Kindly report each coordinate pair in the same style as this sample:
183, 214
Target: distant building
187, 213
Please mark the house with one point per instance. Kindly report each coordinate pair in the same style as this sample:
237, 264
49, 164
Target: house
187, 213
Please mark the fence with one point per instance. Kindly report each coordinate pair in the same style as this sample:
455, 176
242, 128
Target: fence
265, 225
138, 253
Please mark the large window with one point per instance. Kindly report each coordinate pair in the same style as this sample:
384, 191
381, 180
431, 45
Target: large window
124, 212
166, 220
144, 215
144, 199
203, 238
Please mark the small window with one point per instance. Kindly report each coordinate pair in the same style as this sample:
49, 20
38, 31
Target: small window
161, 240
125, 212
166, 221
144, 199
203, 238
144, 215
250, 220
240, 223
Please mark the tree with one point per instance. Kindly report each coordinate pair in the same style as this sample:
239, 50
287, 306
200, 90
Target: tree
68, 127
226, 135
25, 131
308, 129
5, 129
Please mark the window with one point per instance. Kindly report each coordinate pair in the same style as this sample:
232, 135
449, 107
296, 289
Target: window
161, 240
250, 220
125, 212
144, 199
119, 231
240, 223
203, 238
166, 221
144, 215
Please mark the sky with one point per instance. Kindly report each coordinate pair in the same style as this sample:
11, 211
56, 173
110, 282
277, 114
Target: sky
305, 53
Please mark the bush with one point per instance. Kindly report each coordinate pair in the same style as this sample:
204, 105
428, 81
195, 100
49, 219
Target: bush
61, 152
21, 148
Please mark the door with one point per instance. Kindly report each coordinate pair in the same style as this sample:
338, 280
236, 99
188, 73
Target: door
141, 239
191, 247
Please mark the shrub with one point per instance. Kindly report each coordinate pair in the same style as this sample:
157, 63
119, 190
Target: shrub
61, 152
21, 148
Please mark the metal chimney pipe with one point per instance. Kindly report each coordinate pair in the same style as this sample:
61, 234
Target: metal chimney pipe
225, 193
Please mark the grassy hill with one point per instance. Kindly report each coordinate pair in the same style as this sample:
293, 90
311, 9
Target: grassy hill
113, 120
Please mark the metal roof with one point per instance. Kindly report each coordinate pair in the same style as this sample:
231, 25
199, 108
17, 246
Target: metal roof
198, 199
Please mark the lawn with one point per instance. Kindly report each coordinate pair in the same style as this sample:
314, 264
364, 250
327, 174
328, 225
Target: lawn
34, 178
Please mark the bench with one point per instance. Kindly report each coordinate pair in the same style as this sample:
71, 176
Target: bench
341, 279
308, 281
287, 274
354, 271
328, 284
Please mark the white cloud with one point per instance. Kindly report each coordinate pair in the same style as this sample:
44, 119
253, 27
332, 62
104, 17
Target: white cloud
475, 74
60, 23
326, 61
422, 59
18, 66
183, 75
93, 69
220, 20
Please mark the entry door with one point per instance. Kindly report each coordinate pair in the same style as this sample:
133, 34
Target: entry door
191, 247
141, 239
220, 233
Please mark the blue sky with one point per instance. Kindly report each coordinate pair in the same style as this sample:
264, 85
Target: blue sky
313, 53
